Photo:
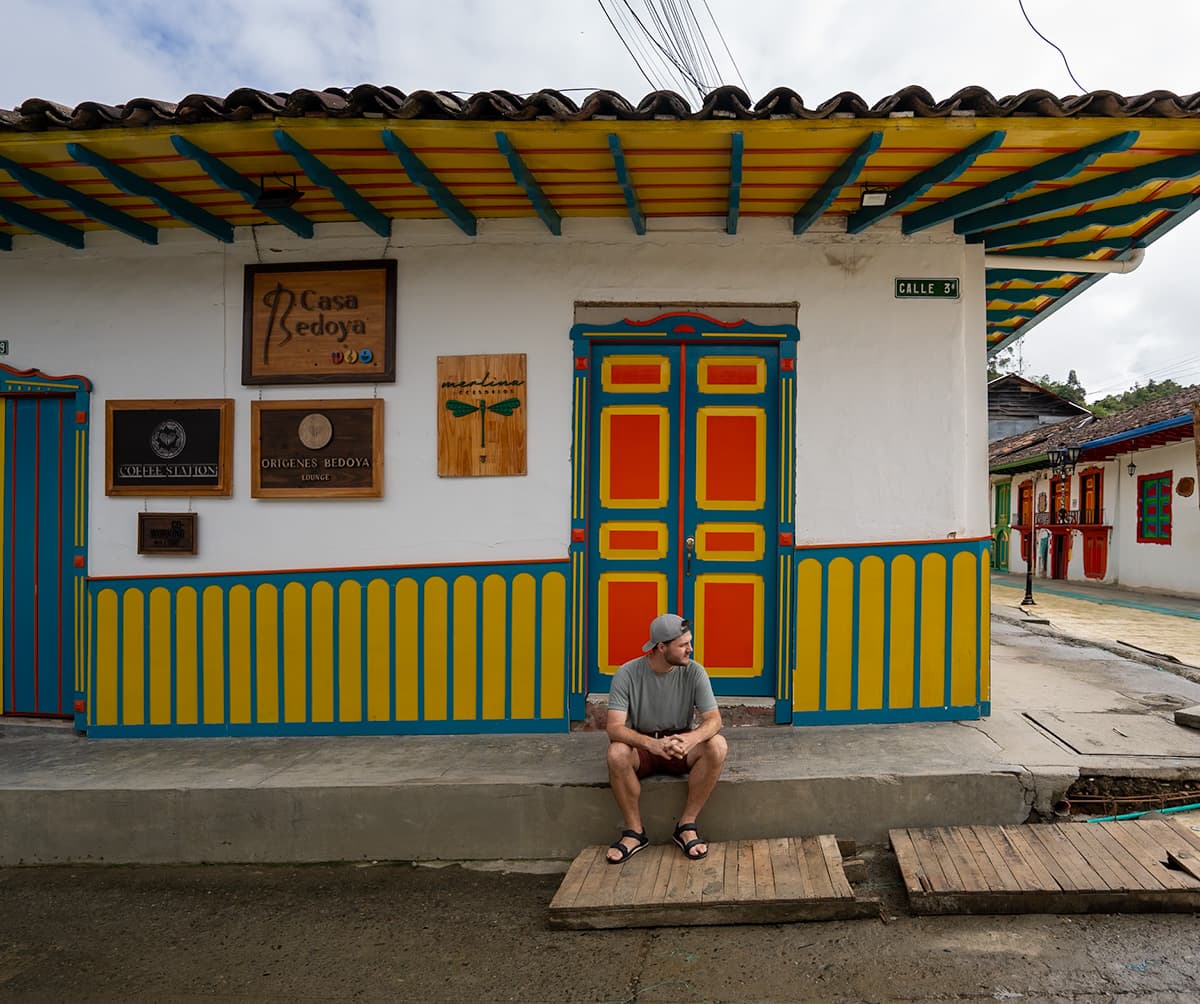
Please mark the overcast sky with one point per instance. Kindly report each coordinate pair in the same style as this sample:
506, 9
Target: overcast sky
1125, 328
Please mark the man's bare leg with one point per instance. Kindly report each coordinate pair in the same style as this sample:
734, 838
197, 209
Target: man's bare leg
706, 761
626, 789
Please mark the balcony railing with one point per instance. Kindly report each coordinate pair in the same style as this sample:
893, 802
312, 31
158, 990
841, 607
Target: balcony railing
1070, 517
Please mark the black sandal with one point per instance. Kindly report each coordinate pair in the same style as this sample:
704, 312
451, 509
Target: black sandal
627, 852
686, 846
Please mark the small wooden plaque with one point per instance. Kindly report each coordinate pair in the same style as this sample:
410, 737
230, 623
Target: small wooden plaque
166, 533
316, 449
168, 447
482, 405
327, 322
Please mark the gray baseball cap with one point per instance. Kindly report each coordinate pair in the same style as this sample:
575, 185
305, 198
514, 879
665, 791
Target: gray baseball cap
665, 628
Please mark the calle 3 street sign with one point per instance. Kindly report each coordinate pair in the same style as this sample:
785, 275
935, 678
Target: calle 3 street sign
936, 289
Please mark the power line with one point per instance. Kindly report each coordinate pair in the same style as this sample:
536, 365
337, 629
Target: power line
1021, 4
626, 44
1166, 371
721, 36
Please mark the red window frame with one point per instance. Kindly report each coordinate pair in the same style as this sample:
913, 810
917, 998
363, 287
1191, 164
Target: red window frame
1154, 492
1091, 495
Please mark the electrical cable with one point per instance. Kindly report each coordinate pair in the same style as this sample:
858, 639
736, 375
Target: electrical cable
721, 36
624, 43
658, 45
1021, 4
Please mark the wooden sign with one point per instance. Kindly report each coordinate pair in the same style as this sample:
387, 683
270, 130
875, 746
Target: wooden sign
330, 322
316, 449
168, 447
481, 406
166, 533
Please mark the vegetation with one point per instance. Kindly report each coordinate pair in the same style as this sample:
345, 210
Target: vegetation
1136, 395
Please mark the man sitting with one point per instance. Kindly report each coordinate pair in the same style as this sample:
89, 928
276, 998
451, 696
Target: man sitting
650, 707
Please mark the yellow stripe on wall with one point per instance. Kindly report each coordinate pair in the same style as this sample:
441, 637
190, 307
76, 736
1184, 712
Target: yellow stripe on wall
349, 661
214, 656
554, 645
871, 615
321, 671
266, 643
295, 652
806, 687
465, 644
963, 631
933, 631
240, 682
839, 625
408, 656
436, 667
378, 664
133, 672
524, 645
495, 656
187, 669
159, 670
903, 639
104, 701
985, 627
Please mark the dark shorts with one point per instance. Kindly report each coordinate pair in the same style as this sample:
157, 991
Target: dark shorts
649, 764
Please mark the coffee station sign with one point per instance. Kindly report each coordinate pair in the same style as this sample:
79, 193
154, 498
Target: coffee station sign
326, 322
168, 447
316, 449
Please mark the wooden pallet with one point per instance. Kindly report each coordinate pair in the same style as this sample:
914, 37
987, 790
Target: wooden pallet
1117, 867
740, 882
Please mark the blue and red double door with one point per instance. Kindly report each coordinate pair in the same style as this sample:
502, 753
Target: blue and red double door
684, 506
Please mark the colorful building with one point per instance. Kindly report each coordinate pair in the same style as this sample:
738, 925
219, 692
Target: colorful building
357, 411
1124, 511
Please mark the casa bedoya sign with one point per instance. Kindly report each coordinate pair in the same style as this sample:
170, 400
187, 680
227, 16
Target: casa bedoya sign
324, 322
168, 447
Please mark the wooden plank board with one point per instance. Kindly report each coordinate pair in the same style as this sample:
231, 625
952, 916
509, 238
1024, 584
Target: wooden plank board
1047, 868
740, 882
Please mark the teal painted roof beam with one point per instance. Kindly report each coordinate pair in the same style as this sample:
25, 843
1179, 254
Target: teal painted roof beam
846, 174
995, 275
1062, 298
1144, 240
422, 177
1168, 169
1113, 216
319, 174
44, 226
631, 200
1055, 169
48, 188
529, 185
1022, 294
1076, 249
1001, 315
5, 242
168, 202
233, 181
918, 185
737, 147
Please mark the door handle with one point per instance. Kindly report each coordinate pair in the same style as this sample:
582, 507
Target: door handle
689, 546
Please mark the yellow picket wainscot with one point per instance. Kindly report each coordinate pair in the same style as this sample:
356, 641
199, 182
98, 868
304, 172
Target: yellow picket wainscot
451, 648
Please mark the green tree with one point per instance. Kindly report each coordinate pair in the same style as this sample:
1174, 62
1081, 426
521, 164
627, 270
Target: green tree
1070, 390
1137, 395
1001, 364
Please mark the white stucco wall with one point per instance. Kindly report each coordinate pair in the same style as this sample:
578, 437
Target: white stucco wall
891, 414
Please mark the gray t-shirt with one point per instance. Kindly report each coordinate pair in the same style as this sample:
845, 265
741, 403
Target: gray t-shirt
657, 701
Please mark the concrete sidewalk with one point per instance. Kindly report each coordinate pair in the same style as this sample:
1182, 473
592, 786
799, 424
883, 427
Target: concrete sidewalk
68, 799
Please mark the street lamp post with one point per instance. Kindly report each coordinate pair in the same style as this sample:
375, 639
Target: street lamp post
1062, 462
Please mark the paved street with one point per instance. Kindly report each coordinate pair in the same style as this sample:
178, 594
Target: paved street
398, 933
1151, 621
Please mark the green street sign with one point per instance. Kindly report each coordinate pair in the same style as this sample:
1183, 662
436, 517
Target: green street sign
926, 289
